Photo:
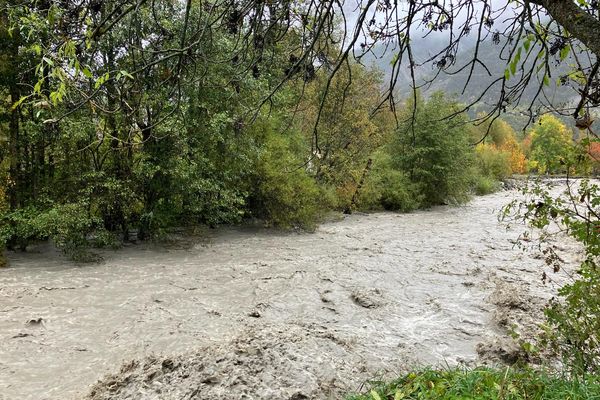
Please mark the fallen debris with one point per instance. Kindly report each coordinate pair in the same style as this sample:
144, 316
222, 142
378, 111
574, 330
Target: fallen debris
367, 298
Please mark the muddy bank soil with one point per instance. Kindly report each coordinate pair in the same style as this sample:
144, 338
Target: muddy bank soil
259, 314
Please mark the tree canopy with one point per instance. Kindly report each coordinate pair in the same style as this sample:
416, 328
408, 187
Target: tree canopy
540, 43
138, 115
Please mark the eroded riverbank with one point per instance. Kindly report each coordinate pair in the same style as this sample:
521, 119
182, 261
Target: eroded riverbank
275, 315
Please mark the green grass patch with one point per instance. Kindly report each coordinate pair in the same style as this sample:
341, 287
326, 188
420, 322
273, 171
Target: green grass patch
483, 384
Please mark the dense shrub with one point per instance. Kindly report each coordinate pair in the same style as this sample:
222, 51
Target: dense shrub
3, 210
504, 138
67, 225
284, 194
574, 321
388, 188
21, 227
434, 152
483, 184
492, 162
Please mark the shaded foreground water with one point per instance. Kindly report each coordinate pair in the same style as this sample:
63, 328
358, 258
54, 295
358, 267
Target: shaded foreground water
265, 314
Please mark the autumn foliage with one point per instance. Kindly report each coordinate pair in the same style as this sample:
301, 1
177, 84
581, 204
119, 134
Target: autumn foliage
593, 152
500, 154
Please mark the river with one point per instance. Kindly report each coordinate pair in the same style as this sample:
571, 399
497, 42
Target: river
265, 314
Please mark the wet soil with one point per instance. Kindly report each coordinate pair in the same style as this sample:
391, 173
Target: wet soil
260, 314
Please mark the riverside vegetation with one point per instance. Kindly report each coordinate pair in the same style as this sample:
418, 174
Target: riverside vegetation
212, 135
483, 384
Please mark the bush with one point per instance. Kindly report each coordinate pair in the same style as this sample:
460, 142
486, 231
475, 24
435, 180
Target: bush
387, 188
67, 225
493, 162
574, 324
285, 195
485, 185
20, 228
3, 209
573, 320
483, 383
501, 136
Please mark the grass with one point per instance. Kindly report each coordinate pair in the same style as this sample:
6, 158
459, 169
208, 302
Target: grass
483, 384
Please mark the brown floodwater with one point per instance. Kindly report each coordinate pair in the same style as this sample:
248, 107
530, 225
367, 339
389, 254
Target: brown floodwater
397, 290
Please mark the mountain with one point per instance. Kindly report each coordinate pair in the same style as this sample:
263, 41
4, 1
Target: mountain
452, 80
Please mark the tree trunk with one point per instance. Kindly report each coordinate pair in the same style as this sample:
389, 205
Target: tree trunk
579, 23
13, 125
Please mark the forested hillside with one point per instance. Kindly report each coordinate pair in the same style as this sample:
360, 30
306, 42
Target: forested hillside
466, 86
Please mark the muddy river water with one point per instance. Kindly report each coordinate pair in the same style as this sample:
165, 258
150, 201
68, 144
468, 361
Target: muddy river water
253, 313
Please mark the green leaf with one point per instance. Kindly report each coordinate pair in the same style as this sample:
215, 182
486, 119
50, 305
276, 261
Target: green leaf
86, 71
100, 81
18, 102
37, 88
37, 49
564, 52
48, 61
375, 395
515, 62
127, 74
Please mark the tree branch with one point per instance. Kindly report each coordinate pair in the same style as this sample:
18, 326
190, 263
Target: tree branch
579, 23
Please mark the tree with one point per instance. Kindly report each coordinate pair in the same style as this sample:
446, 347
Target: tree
501, 137
121, 132
593, 151
552, 146
533, 40
435, 152
136, 114
347, 132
